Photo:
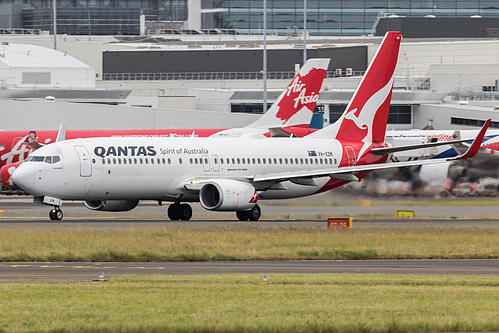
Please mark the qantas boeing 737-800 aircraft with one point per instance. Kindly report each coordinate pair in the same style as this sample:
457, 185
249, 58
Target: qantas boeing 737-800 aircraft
113, 174
291, 113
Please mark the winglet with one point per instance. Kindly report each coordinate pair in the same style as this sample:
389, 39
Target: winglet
475, 145
61, 135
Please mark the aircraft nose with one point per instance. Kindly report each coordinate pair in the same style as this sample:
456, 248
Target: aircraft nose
24, 176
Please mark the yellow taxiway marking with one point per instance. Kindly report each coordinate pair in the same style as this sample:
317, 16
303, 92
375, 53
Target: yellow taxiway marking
50, 266
60, 266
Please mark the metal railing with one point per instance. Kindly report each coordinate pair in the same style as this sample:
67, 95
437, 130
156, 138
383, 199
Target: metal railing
212, 76
20, 32
169, 32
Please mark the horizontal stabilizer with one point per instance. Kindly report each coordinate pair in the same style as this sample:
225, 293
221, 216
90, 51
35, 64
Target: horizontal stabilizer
278, 132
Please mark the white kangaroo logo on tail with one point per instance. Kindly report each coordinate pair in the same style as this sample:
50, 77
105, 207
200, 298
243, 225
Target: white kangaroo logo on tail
367, 114
351, 116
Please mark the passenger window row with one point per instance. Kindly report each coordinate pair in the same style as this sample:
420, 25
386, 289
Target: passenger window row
258, 160
135, 160
228, 161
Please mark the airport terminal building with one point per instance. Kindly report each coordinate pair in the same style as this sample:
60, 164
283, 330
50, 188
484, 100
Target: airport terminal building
284, 17
440, 83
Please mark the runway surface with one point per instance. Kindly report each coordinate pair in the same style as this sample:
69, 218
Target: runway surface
273, 209
91, 271
21, 212
119, 223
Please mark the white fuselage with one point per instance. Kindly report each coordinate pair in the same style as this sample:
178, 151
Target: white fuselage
160, 168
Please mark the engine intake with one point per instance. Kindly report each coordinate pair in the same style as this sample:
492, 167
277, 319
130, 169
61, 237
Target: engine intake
228, 195
111, 205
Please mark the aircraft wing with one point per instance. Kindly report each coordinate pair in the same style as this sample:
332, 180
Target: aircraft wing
456, 143
347, 173
305, 177
388, 150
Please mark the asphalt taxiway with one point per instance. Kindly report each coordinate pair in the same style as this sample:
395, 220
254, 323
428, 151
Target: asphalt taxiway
100, 223
273, 209
92, 271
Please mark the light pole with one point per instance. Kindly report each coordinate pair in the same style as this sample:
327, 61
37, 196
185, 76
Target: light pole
55, 25
304, 31
264, 56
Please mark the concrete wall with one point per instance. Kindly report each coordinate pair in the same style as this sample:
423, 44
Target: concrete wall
469, 77
194, 14
440, 27
418, 57
10, 15
442, 113
41, 115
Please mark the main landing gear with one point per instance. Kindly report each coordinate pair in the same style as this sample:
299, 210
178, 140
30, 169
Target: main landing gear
252, 215
178, 211
56, 214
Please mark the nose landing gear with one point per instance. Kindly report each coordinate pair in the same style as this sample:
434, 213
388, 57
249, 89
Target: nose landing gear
56, 214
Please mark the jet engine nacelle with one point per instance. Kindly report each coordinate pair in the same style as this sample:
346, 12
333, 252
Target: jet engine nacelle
227, 194
112, 205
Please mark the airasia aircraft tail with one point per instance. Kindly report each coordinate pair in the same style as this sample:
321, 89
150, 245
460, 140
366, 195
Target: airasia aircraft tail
296, 104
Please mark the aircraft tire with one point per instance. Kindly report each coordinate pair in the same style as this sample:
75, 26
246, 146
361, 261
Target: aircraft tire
174, 211
254, 213
242, 215
56, 215
185, 212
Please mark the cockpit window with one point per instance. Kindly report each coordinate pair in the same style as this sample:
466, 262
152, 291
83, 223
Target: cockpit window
46, 159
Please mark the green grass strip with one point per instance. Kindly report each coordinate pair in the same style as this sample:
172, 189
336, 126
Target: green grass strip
242, 303
188, 244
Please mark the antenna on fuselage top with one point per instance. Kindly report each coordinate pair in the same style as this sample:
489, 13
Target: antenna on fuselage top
61, 135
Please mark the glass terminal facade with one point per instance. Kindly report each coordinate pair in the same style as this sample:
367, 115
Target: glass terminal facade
98, 17
85, 21
337, 18
285, 17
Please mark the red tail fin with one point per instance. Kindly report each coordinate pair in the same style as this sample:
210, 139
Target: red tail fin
366, 115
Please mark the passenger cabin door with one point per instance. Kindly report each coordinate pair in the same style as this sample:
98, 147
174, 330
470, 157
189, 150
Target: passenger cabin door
216, 163
350, 155
85, 163
206, 162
